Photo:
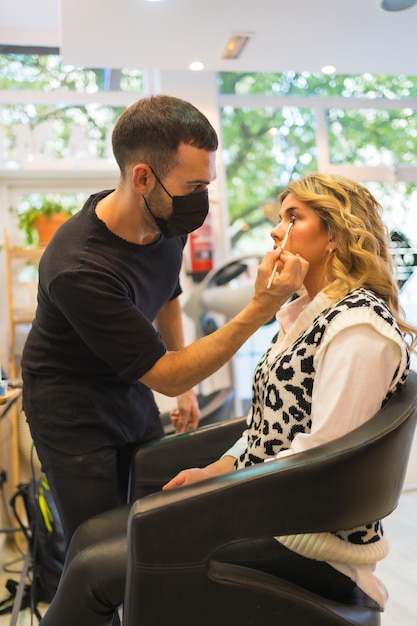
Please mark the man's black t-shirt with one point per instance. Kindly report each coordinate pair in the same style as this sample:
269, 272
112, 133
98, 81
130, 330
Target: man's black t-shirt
92, 337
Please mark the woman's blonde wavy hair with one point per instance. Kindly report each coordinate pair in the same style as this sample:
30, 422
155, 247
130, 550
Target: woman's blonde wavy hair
351, 214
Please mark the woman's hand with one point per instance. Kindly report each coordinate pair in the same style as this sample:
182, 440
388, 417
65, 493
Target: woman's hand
186, 477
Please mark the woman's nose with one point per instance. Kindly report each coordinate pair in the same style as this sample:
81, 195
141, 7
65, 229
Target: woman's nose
278, 231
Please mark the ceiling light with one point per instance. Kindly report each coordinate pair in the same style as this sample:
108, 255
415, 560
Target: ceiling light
397, 5
196, 66
235, 45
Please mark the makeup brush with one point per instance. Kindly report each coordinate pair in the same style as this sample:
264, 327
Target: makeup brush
284, 243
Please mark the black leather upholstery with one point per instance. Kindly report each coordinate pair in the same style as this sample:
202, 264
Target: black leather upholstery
158, 461
171, 578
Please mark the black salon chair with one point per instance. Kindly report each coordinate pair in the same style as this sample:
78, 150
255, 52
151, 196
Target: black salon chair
172, 577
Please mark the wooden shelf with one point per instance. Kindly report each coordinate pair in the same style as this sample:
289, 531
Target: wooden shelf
26, 253
11, 395
23, 318
21, 311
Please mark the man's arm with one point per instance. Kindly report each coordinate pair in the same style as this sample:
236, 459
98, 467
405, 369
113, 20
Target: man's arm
169, 325
176, 372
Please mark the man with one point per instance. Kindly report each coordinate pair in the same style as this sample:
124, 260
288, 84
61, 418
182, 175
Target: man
108, 324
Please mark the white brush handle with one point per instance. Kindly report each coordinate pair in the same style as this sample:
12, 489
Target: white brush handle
284, 243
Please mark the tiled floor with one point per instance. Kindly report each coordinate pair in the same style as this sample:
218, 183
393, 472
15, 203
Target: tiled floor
398, 571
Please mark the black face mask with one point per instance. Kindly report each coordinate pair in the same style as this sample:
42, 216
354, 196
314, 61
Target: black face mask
188, 213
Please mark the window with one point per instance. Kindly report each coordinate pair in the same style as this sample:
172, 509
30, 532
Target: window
49, 111
279, 126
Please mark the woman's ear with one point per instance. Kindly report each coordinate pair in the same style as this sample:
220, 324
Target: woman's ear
332, 237
332, 242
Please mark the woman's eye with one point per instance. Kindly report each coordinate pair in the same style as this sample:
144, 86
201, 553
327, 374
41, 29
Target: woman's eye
290, 218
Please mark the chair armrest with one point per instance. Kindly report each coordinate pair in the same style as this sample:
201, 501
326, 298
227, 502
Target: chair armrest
263, 500
155, 463
345, 483
173, 536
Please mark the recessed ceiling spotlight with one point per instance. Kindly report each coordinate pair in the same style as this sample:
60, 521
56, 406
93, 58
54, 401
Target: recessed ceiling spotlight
397, 5
196, 66
235, 45
328, 69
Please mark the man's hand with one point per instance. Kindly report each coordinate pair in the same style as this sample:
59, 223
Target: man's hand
187, 415
292, 270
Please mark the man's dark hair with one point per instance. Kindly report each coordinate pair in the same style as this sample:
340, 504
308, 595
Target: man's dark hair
152, 129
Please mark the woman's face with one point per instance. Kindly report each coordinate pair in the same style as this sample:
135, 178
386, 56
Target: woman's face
307, 237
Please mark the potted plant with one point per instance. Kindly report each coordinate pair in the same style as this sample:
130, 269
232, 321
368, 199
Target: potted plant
39, 220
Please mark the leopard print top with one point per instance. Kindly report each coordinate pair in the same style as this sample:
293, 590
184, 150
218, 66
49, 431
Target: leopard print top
283, 383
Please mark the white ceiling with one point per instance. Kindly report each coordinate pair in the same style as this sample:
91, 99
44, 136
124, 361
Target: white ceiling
354, 35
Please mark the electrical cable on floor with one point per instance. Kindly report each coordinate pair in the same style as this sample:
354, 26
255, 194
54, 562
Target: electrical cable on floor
20, 590
9, 529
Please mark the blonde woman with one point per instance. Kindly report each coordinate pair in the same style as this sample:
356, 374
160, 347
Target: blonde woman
341, 352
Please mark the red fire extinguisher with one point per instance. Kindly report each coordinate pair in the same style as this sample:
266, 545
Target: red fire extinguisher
201, 250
